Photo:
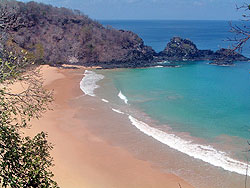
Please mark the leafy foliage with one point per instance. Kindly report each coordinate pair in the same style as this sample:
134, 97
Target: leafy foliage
29, 103
24, 162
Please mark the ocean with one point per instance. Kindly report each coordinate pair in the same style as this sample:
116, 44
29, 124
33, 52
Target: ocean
199, 110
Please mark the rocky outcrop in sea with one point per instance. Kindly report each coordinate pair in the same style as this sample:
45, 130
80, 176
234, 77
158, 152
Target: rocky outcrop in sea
179, 49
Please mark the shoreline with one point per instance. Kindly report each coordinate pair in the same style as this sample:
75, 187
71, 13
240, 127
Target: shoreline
198, 167
82, 158
202, 150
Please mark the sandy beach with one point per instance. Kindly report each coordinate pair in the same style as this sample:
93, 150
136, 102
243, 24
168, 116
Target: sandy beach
138, 94
82, 158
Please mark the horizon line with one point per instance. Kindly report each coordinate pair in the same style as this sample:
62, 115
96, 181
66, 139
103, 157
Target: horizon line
100, 19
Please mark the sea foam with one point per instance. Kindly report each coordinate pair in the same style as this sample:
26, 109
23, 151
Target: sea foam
88, 83
117, 111
205, 153
162, 62
123, 97
104, 100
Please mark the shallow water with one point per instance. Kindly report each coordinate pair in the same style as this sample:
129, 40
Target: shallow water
195, 117
176, 152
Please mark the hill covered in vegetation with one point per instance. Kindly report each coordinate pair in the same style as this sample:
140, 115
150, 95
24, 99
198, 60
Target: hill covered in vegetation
59, 35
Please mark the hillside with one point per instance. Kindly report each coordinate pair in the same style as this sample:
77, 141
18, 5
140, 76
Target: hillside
59, 35
55, 36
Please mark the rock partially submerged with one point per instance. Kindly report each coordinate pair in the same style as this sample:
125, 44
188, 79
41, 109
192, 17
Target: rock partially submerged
179, 49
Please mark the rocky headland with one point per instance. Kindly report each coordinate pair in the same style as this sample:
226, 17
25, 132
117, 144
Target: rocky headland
56, 36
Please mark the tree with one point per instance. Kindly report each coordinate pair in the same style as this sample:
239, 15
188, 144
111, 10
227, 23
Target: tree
242, 31
24, 161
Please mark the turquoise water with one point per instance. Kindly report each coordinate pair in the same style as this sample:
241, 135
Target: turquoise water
197, 109
204, 100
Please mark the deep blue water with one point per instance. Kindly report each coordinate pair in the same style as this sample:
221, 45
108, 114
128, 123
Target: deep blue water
205, 34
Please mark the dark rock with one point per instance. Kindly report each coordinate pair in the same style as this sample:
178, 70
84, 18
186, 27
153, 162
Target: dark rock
179, 49
228, 55
205, 54
222, 63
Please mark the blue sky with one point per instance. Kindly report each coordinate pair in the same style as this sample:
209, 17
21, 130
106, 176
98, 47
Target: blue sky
154, 9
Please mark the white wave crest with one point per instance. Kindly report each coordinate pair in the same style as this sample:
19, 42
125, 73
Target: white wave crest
158, 66
163, 62
104, 100
117, 111
88, 83
202, 152
123, 97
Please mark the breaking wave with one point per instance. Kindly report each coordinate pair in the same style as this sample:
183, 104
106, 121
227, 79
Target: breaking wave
205, 153
88, 83
117, 111
123, 97
104, 100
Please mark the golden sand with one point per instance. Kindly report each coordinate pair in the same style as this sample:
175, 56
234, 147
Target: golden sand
83, 159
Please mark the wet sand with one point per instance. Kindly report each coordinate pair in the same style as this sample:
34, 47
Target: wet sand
82, 157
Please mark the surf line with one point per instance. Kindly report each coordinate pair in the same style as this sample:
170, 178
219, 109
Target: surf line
123, 97
88, 83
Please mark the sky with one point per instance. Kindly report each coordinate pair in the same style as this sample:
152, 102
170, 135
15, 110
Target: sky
154, 9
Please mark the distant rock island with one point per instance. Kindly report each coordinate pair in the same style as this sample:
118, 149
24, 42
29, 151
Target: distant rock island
179, 49
58, 36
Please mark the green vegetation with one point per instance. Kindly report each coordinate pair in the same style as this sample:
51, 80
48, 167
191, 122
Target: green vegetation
24, 161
